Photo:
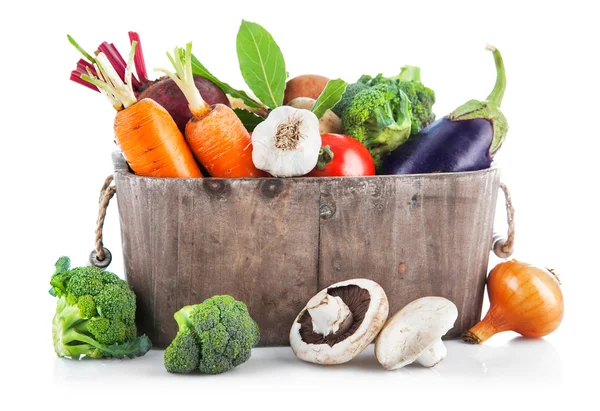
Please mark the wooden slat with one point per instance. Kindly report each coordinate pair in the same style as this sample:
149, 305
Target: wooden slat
414, 235
187, 240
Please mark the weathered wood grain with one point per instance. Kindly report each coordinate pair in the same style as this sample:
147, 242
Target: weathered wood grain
274, 243
187, 240
416, 236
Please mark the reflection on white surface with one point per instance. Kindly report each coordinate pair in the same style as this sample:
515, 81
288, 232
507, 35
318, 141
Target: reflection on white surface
504, 361
518, 360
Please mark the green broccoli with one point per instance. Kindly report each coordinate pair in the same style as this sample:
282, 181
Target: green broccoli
352, 90
95, 314
214, 336
379, 117
421, 98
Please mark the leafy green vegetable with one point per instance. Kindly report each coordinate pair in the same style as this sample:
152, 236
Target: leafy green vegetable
214, 336
95, 314
330, 96
261, 63
199, 70
249, 119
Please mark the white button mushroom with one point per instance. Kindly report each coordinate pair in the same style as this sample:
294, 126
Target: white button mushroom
415, 334
339, 322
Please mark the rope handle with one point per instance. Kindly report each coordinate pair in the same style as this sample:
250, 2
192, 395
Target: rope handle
504, 247
101, 257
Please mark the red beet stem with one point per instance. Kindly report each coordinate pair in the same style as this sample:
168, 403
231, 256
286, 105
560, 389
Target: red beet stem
140, 63
82, 68
118, 63
76, 77
83, 65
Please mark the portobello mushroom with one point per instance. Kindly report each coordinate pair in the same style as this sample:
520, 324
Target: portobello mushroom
339, 322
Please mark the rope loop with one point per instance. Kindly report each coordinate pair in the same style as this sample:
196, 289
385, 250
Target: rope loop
504, 247
101, 257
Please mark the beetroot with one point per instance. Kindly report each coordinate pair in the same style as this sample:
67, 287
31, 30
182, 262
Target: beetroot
164, 90
166, 93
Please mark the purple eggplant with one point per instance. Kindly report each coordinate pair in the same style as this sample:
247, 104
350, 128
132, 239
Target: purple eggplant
465, 140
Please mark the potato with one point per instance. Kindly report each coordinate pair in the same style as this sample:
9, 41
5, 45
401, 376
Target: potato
305, 103
330, 123
306, 85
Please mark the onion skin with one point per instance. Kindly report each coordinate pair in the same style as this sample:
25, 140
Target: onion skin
523, 298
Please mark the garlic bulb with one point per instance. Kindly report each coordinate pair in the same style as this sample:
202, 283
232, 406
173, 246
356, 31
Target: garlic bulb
287, 143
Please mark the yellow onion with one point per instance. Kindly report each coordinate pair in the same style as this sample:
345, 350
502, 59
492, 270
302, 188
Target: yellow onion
523, 298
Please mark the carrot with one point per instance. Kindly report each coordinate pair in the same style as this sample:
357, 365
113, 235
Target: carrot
215, 134
146, 133
152, 143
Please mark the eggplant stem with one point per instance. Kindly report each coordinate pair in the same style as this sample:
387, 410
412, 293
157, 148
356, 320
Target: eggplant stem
497, 93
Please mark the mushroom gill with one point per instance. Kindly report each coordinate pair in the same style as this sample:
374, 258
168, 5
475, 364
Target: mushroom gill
356, 298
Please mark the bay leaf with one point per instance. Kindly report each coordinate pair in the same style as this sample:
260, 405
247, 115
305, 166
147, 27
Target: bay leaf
261, 63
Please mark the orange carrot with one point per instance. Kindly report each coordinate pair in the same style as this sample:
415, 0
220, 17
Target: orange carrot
146, 133
152, 143
215, 134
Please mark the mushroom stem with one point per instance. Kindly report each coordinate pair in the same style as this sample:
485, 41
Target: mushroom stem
433, 355
329, 314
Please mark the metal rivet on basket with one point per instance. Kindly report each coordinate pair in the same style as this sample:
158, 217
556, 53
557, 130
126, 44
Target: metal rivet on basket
101, 263
215, 187
326, 210
499, 247
271, 188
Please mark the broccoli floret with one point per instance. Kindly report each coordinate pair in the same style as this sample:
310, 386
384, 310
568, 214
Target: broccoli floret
214, 336
383, 112
352, 90
379, 117
87, 306
95, 314
183, 354
421, 98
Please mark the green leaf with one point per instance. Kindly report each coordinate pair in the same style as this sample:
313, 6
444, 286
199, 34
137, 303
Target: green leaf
199, 70
410, 73
62, 265
261, 63
136, 347
249, 119
330, 96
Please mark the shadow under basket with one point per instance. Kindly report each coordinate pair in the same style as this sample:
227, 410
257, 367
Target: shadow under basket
274, 243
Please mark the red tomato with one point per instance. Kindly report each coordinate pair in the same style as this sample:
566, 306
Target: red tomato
350, 158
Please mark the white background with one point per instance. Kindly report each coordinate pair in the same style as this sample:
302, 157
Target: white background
57, 140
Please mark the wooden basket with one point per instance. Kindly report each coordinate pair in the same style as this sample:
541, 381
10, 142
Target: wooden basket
274, 243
